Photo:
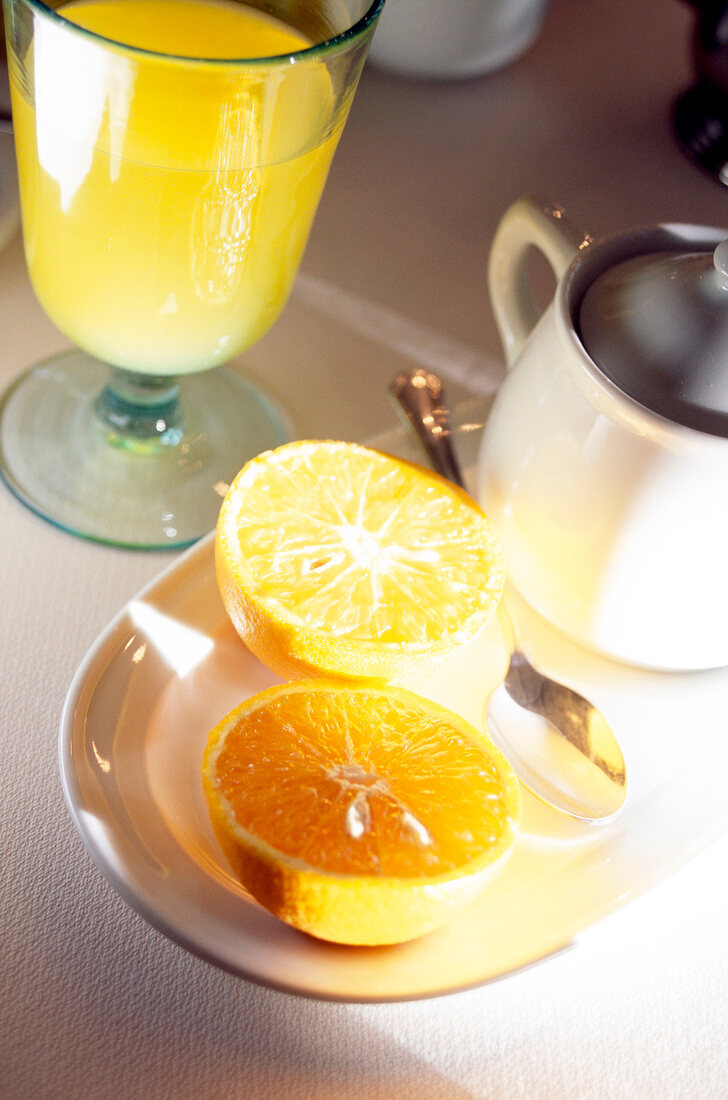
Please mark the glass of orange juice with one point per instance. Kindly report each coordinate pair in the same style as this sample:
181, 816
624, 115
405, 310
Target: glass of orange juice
171, 155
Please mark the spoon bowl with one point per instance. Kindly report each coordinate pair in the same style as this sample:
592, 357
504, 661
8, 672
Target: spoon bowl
559, 744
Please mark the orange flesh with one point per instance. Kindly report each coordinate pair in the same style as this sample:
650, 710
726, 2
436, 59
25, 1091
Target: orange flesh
392, 559
371, 788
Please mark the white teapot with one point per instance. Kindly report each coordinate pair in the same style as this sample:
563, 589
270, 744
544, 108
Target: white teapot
604, 461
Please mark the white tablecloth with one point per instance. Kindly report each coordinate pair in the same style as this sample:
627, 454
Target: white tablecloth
96, 1003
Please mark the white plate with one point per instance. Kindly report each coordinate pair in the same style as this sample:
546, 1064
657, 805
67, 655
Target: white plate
169, 666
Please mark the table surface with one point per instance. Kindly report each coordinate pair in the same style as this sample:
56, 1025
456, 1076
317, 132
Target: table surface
95, 1002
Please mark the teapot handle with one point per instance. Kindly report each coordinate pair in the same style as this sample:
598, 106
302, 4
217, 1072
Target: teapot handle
527, 223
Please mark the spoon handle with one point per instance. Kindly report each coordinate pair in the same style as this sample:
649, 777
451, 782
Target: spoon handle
420, 396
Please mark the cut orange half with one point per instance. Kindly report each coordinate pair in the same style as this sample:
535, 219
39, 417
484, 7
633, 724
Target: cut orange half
335, 559
357, 812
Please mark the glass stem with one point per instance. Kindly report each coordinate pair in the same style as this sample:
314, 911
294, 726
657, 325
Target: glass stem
140, 408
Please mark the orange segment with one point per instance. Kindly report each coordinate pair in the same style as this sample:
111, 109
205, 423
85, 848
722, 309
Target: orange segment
333, 558
359, 813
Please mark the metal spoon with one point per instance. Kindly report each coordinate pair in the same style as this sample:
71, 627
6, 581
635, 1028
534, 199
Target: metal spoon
560, 745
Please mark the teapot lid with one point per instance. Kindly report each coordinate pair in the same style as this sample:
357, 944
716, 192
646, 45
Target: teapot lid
657, 326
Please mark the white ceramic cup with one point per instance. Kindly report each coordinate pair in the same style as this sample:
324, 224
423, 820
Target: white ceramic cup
454, 38
613, 519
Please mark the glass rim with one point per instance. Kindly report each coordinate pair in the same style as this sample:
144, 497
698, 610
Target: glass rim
318, 49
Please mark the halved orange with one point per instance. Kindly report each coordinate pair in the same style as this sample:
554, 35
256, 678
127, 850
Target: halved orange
358, 812
333, 558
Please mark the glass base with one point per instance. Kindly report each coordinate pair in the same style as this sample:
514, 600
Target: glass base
74, 448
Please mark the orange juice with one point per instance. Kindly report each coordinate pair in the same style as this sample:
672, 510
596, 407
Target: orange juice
167, 200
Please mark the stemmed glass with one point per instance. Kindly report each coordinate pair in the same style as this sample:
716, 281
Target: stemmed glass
166, 202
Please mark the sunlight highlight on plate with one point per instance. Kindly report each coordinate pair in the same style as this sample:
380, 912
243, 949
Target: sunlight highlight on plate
181, 647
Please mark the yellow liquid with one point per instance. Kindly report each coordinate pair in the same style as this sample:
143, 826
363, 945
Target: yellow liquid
167, 203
